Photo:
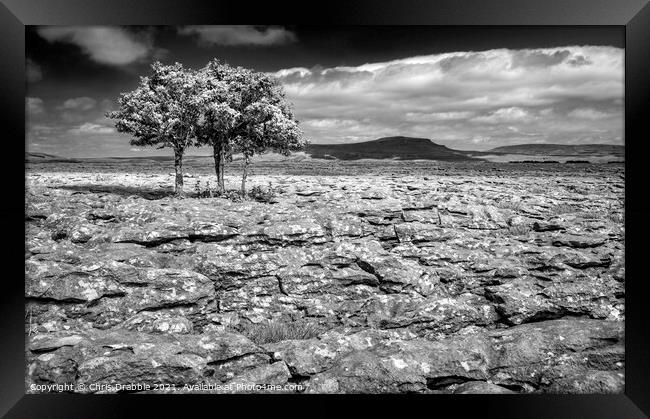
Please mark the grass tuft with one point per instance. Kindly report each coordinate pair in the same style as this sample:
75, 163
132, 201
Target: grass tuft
261, 194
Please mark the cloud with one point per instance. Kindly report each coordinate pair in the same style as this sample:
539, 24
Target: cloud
79, 103
78, 109
239, 35
106, 45
91, 128
513, 114
33, 71
462, 99
437, 116
466, 100
537, 58
587, 113
34, 106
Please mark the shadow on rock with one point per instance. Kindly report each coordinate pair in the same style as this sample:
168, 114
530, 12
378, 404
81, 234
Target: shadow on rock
146, 193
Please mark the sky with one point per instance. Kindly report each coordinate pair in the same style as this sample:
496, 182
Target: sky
469, 88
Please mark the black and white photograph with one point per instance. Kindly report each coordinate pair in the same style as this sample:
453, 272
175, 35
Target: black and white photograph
286, 209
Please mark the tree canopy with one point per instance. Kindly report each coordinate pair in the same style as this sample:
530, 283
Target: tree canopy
162, 111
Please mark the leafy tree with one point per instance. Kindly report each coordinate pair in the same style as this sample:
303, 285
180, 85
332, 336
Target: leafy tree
162, 111
243, 111
219, 116
270, 126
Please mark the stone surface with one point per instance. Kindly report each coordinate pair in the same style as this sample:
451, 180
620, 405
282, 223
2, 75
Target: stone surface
426, 278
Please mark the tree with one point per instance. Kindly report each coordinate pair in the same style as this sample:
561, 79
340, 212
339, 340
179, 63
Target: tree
244, 111
162, 111
270, 126
218, 116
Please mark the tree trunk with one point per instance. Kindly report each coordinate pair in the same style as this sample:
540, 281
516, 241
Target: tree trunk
219, 165
243, 177
178, 167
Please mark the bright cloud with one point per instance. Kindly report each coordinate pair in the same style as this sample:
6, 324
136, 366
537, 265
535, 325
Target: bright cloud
78, 109
513, 114
462, 99
437, 116
239, 35
106, 45
92, 128
79, 103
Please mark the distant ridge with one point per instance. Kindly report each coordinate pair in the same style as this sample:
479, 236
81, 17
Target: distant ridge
45, 157
397, 148
40, 155
560, 149
400, 148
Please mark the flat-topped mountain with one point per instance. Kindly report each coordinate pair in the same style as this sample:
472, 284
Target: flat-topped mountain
561, 149
401, 148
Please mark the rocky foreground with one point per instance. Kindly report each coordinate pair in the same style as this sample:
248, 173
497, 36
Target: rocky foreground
477, 283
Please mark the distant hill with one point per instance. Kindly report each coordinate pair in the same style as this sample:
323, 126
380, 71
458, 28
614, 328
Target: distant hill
49, 158
561, 150
153, 158
401, 148
39, 156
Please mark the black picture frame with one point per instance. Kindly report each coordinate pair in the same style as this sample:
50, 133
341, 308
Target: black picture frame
634, 15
